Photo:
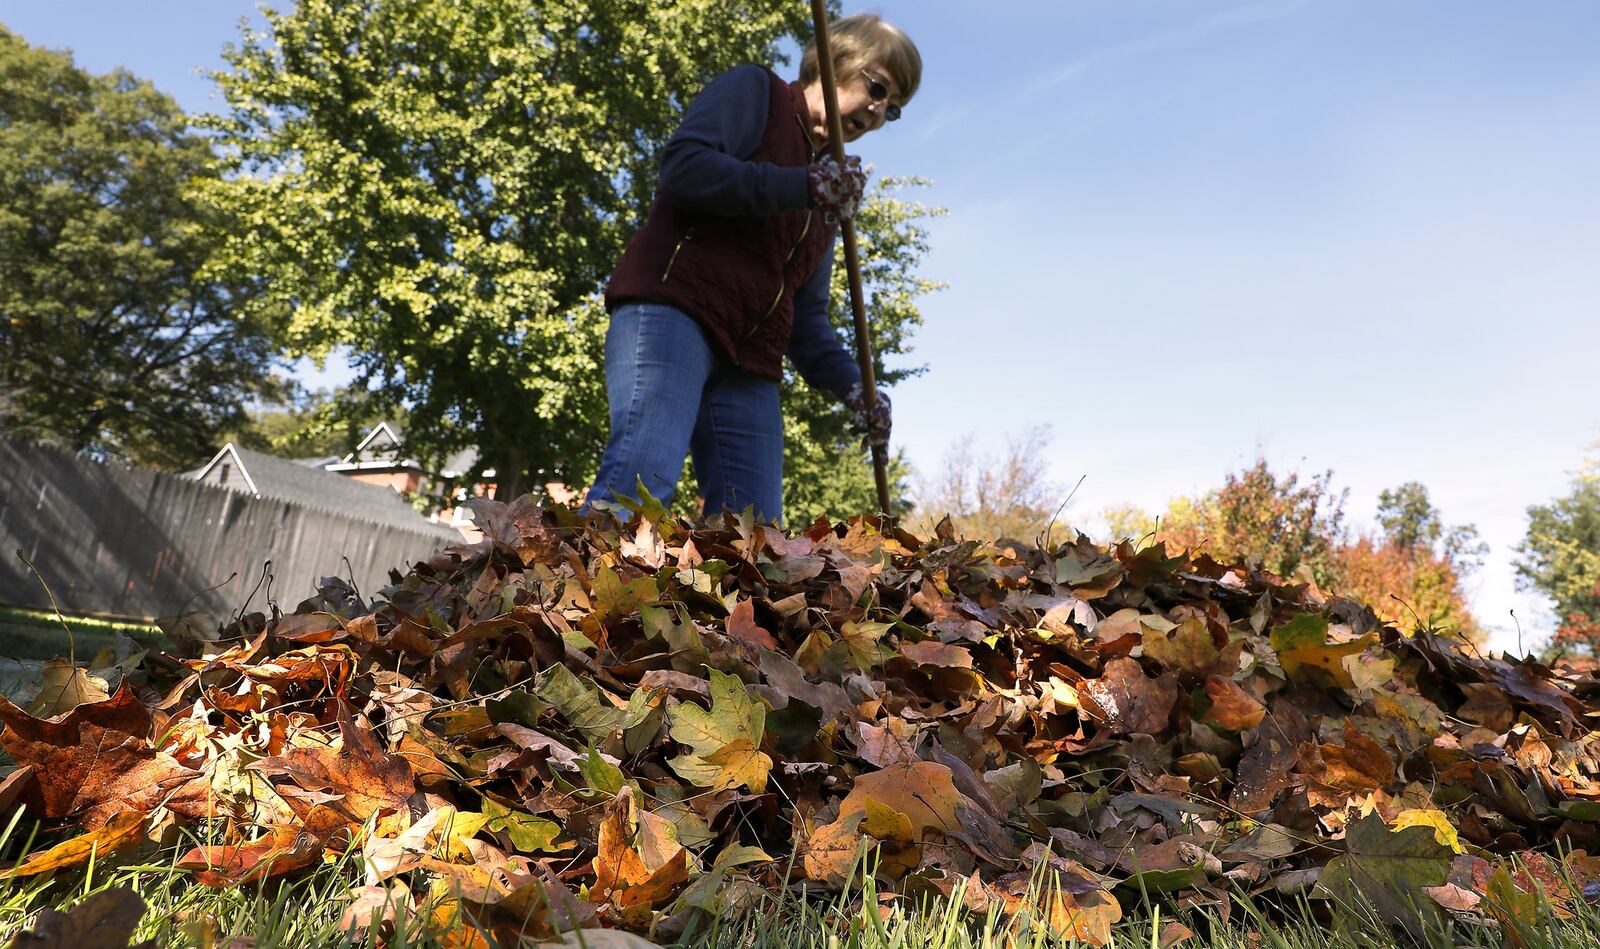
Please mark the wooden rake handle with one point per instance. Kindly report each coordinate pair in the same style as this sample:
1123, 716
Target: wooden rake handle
852, 258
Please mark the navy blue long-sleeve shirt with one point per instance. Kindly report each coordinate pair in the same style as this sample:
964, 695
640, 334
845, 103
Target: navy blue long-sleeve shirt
705, 168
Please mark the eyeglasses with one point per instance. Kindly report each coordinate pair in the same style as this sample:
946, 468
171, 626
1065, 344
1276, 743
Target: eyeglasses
878, 92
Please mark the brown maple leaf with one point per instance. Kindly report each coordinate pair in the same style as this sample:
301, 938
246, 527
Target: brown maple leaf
358, 778
96, 761
1129, 702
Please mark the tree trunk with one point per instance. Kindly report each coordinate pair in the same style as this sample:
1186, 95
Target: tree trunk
509, 475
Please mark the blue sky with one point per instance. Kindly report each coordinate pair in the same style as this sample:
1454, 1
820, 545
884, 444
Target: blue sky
1347, 234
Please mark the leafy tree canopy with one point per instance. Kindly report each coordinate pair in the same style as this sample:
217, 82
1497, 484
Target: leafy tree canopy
1560, 557
1286, 525
116, 337
1409, 571
1409, 520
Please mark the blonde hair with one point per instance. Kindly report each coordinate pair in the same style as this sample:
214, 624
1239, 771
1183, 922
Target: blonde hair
863, 40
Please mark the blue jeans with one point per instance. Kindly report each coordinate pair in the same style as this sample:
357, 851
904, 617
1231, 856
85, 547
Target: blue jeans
672, 393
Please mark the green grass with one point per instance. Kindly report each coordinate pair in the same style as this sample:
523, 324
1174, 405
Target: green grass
29, 634
305, 912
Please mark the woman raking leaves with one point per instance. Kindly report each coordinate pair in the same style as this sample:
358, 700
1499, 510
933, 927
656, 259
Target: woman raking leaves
731, 271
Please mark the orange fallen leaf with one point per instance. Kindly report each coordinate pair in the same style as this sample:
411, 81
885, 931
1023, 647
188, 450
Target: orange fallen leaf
636, 879
359, 778
1231, 706
120, 832
923, 791
829, 853
742, 625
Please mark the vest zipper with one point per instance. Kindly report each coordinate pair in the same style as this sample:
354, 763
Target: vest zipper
688, 232
782, 283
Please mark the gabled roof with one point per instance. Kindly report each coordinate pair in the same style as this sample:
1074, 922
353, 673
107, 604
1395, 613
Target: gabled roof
382, 444
384, 448
459, 463
266, 476
322, 462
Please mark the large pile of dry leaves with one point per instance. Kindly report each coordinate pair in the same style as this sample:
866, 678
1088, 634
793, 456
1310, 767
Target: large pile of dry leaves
578, 724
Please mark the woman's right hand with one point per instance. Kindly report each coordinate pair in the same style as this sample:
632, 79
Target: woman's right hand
836, 190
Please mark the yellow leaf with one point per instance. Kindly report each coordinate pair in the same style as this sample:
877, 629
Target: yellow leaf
1329, 658
1368, 672
741, 764
885, 823
1443, 831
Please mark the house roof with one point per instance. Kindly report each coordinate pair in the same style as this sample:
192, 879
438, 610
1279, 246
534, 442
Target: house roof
322, 462
381, 445
282, 479
459, 463
384, 447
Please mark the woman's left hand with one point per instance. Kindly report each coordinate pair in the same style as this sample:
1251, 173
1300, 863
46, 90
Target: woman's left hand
836, 190
872, 424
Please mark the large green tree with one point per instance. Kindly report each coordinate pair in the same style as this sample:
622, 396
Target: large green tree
1560, 557
1411, 523
111, 340
439, 189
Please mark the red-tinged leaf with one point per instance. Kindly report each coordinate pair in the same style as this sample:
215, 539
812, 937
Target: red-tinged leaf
888, 745
934, 653
1356, 766
1231, 706
1453, 897
280, 850
742, 625
12, 787
1126, 701
638, 865
377, 906
361, 774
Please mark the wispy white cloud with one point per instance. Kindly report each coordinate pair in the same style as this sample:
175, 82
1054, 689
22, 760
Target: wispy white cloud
931, 127
1245, 15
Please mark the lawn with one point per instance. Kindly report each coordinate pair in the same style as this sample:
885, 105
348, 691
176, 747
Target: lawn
30, 634
308, 912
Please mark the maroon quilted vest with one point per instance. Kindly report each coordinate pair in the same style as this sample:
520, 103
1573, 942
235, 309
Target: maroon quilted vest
736, 277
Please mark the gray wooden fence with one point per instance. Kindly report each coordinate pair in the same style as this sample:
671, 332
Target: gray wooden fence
133, 542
